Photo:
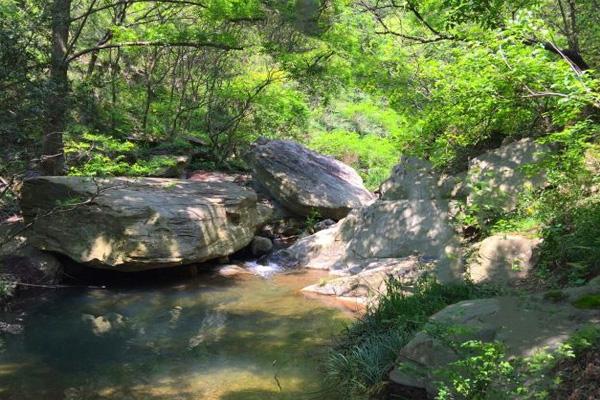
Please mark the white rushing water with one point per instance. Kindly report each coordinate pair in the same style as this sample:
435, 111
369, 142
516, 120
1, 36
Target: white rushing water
266, 271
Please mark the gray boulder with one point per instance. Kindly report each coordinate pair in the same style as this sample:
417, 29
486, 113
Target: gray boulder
397, 229
498, 177
317, 251
325, 224
416, 179
383, 230
412, 178
525, 325
503, 260
397, 235
303, 181
261, 245
138, 224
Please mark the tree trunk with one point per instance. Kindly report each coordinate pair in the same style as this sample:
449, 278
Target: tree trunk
53, 157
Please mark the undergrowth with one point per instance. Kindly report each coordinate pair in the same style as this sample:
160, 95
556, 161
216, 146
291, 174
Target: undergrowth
358, 364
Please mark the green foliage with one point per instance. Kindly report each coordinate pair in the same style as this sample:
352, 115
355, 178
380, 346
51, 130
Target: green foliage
372, 156
571, 240
366, 134
483, 371
102, 155
364, 354
590, 301
472, 377
312, 219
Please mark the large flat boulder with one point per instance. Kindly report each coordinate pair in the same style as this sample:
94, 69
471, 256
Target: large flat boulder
304, 181
137, 224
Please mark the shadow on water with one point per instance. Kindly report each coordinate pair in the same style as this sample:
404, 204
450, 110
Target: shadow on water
172, 338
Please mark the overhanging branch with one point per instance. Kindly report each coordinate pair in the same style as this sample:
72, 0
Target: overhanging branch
128, 2
198, 45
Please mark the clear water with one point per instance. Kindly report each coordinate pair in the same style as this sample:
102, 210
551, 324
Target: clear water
210, 338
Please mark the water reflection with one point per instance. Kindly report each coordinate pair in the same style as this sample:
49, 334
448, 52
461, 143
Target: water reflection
213, 338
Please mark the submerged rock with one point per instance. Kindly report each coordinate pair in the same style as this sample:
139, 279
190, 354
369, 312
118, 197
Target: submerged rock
137, 224
303, 181
13, 329
370, 282
103, 324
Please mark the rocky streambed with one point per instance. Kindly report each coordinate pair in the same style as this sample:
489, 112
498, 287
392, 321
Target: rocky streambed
239, 335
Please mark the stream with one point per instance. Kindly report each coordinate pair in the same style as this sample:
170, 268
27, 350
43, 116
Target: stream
210, 337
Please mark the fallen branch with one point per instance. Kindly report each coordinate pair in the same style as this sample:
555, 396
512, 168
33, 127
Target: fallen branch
59, 286
59, 210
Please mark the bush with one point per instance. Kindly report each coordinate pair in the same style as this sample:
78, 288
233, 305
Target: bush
371, 155
484, 371
571, 244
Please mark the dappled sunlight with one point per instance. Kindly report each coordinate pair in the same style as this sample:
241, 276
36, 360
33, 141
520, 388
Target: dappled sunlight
141, 224
100, 249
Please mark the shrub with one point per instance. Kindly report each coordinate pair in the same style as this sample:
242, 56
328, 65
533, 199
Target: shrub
571, 244
371, 155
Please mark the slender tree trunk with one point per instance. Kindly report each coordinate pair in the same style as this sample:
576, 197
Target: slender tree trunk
53, 158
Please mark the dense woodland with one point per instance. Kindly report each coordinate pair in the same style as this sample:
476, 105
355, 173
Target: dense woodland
110, 88
125, 87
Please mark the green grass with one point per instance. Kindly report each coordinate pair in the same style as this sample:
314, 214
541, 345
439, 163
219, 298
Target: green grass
358, 364
588, 302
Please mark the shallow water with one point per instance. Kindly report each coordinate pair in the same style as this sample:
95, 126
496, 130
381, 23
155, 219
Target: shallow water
237, 338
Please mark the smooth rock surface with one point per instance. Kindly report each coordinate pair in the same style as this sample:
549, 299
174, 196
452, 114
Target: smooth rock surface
524, 324
317, 251
397, 229
416, 179
368, 284
497, 177
136, 224
503, 259
383, 230
302, 180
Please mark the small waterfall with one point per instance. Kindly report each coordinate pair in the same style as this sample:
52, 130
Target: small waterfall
266, 271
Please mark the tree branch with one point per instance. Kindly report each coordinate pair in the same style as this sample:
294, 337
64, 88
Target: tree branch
221, 46
375, 11
80, 28
127, 2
